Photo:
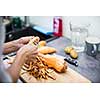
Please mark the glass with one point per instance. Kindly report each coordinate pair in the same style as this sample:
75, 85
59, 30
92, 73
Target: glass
79, 32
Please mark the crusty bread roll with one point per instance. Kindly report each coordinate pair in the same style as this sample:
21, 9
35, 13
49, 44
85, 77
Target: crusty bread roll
46, 50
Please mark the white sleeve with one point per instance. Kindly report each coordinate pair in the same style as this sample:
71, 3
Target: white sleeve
4, 76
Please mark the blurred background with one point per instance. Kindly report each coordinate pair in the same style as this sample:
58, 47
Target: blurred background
44, 24
47, 23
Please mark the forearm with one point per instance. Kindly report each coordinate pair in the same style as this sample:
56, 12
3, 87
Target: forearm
10, 47
15, 68
15, 45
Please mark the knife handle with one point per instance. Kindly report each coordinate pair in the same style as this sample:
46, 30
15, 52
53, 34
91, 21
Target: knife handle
71, 61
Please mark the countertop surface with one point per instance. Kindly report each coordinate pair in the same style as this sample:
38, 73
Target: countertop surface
88, 66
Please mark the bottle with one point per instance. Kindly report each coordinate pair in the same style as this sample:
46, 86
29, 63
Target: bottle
16, 22
57, 26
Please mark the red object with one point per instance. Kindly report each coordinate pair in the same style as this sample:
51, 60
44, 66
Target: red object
57, 26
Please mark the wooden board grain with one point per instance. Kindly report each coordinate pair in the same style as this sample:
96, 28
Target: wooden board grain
70, 76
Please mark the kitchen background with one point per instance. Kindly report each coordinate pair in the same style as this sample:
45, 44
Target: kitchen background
47, 23
43, 26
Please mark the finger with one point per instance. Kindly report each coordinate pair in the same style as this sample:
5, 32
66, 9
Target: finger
36, 52
33, 47
26, 39
32, 57
34, 41
20, 45
40, 54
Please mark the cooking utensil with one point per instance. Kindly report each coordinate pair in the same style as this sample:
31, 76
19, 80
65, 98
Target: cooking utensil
68, 59
71, 61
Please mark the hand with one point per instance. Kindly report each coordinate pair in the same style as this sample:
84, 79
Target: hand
27, 52
22, 41
16, 44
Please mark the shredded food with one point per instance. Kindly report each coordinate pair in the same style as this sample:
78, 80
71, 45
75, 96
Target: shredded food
38, 69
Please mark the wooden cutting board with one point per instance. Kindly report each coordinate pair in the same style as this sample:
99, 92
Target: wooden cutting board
70, 76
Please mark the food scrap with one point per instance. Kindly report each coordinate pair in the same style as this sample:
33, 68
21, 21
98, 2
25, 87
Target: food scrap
38, 69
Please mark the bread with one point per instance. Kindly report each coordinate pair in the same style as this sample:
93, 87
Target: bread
46, 50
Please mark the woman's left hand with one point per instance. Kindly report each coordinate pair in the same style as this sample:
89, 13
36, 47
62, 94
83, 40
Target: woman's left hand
23, 41
16, 44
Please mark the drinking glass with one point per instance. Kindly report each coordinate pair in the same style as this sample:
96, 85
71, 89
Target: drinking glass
79, 32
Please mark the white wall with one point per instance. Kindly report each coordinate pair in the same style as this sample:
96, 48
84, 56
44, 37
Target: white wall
47, 22
94, 22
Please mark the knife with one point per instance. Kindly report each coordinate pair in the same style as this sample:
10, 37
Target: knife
71, 61
68, 59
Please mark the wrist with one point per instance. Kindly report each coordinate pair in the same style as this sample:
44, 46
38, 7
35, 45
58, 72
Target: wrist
21, 53
10, 47
20, 57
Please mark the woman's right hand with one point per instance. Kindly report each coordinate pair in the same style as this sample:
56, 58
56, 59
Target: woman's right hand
27, 52
24, 54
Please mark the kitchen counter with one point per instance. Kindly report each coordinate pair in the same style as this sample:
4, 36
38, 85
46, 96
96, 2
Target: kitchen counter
88, 66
